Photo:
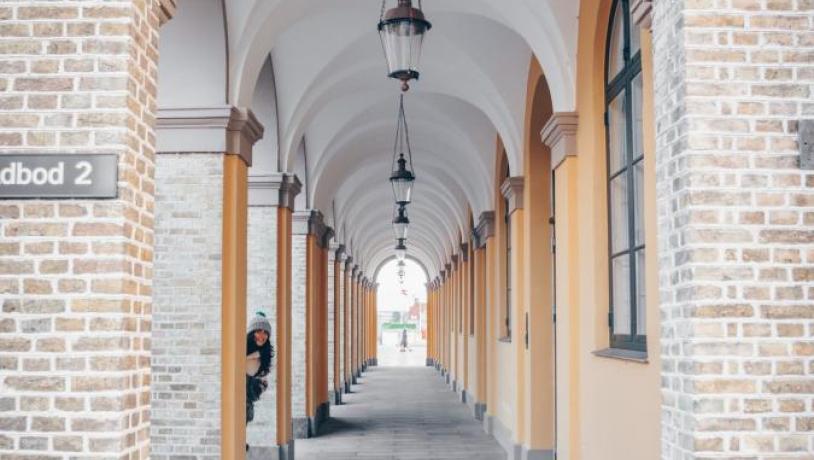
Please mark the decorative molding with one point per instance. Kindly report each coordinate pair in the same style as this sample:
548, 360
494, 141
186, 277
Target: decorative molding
512, 190
641, 12
166, 10
275, 189
560, 135
225, 129
485, 228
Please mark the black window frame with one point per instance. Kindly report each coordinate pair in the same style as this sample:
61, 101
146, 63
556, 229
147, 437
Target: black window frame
623, 82
507, 225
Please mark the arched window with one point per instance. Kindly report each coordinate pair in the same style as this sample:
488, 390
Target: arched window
625, 166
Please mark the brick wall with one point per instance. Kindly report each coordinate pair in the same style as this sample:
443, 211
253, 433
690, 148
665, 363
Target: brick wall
331, 315
187, 299
736, 244
77, 77
262, 295
299, 274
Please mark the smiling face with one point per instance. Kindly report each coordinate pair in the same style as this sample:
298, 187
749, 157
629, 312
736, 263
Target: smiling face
260, 337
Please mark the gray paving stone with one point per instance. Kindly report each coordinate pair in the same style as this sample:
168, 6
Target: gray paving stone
400, 413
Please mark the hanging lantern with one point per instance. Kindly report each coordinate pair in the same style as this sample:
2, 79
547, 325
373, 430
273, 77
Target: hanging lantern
402, 177
401, 249
400, 223
401, 271
402, 30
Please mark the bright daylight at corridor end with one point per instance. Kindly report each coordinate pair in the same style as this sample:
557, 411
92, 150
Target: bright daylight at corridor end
405, 229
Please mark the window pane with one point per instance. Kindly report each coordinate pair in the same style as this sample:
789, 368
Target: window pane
616, 58
635, 40
638, 204
638, 136
619, 213
621, 294
641, 294
617, 136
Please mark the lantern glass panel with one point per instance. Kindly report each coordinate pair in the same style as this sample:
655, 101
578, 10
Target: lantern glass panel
402, 40
400, 231
402, 190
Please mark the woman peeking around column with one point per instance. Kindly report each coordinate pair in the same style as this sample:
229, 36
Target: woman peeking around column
258, 361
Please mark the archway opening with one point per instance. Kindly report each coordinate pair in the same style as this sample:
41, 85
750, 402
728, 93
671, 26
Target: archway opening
402, 314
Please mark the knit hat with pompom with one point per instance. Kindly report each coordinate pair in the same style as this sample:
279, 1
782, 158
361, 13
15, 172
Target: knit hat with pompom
260, 322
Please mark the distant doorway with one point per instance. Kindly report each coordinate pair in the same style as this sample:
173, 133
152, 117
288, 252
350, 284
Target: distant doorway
402, 314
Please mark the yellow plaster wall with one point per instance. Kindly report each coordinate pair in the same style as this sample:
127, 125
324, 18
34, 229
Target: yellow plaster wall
607, 389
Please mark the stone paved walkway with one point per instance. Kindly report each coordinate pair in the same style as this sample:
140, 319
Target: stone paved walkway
400, 413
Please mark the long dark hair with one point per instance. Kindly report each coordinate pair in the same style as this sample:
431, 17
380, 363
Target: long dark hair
266, 353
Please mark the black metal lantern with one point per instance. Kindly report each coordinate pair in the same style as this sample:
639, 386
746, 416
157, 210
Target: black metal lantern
400, 223
402, 30
402, 177
401, 249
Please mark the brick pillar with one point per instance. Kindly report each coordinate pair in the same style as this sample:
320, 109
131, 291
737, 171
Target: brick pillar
76, 275
736, 244
309, 237
347, 314
339, 324
201, 206
264, 191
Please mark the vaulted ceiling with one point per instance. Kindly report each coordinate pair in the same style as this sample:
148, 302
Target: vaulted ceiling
313, 72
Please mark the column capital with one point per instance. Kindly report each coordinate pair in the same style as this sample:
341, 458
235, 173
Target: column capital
512, 191
465, 252
340, 255
166, 10
443, 276
348, 263
448, 267
485, 228
560, 135
312, 222
224, 129
641, 12
274, 189
454, 259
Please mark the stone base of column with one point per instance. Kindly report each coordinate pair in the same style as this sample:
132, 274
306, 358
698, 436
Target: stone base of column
463, 396
374, 361
453, 385
347, 386
284, 452
430, 362
364, 367
353, 379
438, 366
263, 452
337, 397
480, 410
536, 454
448, 378
315, 422
301, 426
443, 371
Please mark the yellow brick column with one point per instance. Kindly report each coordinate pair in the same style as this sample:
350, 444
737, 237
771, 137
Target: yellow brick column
346, 339
289, 187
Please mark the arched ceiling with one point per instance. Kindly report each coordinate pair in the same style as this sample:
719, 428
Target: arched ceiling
335, 109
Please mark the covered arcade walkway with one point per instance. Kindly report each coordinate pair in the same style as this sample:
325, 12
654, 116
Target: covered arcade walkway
401, 413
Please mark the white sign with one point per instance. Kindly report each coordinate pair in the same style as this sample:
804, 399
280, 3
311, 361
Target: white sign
58, 176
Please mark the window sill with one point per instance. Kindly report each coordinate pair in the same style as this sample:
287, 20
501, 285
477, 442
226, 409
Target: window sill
505, 339
625, 355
